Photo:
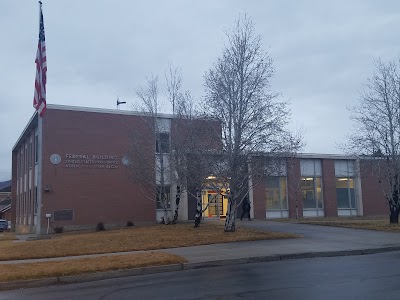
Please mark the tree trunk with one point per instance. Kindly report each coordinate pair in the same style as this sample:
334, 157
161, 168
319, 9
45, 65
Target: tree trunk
394, 209
230, 215
177, 201
166, 218
394, 214
197, 218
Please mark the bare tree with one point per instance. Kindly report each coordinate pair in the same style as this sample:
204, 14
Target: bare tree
191, 160
173, 79
194, 136
189, 134
376, 131
153, 172
237, 91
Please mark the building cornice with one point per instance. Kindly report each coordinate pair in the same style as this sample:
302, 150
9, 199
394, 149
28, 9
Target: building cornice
104, 110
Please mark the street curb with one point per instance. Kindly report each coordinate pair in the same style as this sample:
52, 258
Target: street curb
119, 273
26, 284
227, 262
31, 283
23, 284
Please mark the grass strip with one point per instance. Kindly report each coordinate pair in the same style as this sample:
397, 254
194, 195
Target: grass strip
7, 236
379, 225
11, 272
132, 239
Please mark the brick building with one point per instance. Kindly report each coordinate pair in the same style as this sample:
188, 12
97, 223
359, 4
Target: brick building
320, 185
71, 168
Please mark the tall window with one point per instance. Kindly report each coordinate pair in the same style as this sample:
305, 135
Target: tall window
22, 162
275, 193
26, 154
30, 155
18, 170
163, 194
163, 144
345, 195
29, 204
311, 192
163, 139
36, 203
311, 183
36, 148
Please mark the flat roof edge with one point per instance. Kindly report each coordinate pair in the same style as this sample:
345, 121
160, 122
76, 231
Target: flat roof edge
311, 155
331, 156
103, 110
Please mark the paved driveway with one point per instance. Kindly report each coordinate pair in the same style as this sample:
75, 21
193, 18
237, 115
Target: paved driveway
316, 240
328, 233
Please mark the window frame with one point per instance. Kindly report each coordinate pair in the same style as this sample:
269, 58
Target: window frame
36, 149
167, 192
160, 143
348, 173
316, 176
349, 194
280, 194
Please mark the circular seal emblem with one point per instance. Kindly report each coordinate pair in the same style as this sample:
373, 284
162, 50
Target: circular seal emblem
55, 159
125, 161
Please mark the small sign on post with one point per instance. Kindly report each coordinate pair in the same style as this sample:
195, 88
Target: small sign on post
48, 217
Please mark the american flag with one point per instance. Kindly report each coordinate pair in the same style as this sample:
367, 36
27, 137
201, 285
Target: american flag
39, 99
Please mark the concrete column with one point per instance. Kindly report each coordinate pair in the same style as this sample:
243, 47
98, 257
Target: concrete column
294, 188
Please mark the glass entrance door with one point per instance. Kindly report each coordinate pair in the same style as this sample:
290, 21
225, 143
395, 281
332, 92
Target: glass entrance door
215, 202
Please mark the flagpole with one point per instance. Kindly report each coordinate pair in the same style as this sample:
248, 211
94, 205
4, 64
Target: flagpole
40, 10
40, 162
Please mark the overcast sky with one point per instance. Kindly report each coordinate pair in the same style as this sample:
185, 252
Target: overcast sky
97, 50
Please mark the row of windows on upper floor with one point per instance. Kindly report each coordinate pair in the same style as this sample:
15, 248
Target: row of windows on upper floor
311, 167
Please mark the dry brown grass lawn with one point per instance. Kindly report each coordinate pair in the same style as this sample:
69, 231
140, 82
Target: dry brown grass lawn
25, 271
381, 224
7, 236
131, 239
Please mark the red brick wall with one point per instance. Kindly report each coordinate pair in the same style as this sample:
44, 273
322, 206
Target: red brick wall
259, 201
374, 202
294, 188
329, 187
96, 195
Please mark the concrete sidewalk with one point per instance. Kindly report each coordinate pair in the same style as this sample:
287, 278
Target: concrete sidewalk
317, 241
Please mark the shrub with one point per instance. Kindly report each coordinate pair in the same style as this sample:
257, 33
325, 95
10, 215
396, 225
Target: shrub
129, 224
100, 226
58, 229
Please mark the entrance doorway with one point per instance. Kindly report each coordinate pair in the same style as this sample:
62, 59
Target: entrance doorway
215, 202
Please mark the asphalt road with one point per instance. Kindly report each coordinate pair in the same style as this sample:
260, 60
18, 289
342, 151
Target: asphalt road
355, 277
